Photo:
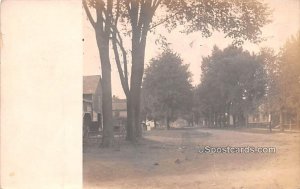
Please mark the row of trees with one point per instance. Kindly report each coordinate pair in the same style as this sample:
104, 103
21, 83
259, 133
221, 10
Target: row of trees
112, 20
234, 83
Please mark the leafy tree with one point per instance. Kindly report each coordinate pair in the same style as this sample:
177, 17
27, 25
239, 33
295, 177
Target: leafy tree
238, 19
283, 73
271, 67
233, 83
289, 78
167, 87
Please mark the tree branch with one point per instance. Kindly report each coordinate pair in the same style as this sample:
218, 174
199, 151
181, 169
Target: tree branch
141, 18
123, 75
108, 16
120, 43
163, 21
134, 13
124, 57
88, 13
100, 19
156, 3
117, 13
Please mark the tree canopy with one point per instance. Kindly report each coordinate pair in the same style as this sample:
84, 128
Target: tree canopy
167, 87
232, 83
289, 75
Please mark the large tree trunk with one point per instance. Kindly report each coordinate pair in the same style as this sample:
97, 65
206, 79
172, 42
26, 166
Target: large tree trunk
140, 14
130, 129
103, 47
102, 30
107, 139
134, 99
133, 105
133, 108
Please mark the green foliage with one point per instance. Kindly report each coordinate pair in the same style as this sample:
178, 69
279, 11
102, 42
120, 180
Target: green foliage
167, 87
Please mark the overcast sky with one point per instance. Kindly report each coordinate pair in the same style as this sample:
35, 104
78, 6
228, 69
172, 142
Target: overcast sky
286, 22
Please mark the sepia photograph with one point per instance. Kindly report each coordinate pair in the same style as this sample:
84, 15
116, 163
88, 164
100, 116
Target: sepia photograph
191, 94
150, 94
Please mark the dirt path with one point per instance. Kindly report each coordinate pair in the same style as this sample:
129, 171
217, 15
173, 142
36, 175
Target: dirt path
171, 159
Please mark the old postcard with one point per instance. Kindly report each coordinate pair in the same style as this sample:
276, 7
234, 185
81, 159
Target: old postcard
140, 94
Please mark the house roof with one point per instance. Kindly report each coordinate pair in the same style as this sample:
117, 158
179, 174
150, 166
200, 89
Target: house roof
90, 84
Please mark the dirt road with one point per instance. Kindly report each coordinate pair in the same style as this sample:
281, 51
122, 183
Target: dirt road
171, 159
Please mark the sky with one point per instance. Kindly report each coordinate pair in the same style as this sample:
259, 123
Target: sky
285, 22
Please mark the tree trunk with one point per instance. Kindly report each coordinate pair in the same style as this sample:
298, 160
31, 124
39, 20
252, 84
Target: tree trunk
246, 120
281, 121
130, 129
107, 138
102, 38
168, 122
215, 120
210, 119
103, 47
133, 117
297, 120
270, 122
234, 120
137, 71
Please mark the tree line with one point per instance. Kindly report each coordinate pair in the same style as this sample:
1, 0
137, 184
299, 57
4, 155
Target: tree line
234, 84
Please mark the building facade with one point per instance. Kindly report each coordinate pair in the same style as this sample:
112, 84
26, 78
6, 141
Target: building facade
92, 103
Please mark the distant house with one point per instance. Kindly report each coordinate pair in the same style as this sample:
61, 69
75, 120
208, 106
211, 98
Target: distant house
119, 108
119, 111
92, 102
259, 117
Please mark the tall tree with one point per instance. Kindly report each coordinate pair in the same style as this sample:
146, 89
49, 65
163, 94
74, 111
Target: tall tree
238, 19
102, 27
271, 103
167, 87
289, 78
283, 73
232, 83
